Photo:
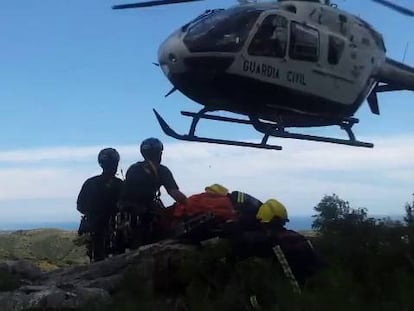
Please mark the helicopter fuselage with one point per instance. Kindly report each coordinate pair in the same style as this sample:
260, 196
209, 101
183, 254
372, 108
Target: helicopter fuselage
301, 62
281, 64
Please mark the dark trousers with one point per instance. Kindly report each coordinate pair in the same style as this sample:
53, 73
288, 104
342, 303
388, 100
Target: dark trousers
141, 229
97, 249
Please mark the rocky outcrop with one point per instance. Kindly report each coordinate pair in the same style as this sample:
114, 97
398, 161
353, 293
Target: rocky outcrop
23, 269
79, 286
48, 248
51, 297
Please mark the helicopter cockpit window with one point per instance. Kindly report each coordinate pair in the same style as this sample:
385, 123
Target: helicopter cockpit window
336, 49
222, 31
304, 43
271, 38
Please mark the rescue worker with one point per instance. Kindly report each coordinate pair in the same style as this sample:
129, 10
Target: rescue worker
214, 200
141, 190
97, 201
204, 214
294, 251
245, 205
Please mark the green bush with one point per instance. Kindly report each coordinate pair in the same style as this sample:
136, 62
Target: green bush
375, 255
370, 266
8, 282
409, 213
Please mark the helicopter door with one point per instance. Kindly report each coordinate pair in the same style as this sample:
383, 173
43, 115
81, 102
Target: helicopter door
271, 38
335, 60
336, 47
284, 53
304, 43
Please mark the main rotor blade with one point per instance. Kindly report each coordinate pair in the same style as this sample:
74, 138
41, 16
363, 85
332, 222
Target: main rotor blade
149, 3
395, 7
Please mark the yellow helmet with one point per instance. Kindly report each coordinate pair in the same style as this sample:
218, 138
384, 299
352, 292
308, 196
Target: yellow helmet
270, 209
218, 189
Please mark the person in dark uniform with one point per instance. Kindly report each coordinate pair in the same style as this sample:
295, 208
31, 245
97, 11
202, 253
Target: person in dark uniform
97, 201
271, 238
292, 251
245, 205
141, 190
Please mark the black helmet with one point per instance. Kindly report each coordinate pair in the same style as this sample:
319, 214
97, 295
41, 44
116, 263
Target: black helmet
108, 156
151, 148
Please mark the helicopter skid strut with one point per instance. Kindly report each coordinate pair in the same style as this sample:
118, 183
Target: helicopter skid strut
268, 129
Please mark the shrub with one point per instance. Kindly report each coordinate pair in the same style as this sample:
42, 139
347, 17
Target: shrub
8, 282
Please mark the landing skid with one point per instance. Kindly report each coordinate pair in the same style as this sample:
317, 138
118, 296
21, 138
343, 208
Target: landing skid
268, 129
191, 137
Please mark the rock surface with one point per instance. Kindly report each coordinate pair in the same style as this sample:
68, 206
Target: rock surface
78, 286
23, 269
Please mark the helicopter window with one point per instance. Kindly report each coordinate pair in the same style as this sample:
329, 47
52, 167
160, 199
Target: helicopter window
223, 31
336, 49
304, 43
200, 17
271, 38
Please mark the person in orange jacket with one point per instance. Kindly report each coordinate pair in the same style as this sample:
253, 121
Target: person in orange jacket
245, 205
213, 200
218, 200
221, 207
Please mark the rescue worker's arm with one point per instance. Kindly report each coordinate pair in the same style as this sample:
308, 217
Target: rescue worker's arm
125, 186
128, 187
171, 186
177, 195
83, 200
117, 193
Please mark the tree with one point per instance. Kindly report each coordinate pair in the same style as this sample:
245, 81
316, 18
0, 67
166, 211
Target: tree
333, 210
409, 212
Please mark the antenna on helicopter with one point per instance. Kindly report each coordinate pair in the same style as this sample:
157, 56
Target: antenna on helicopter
405, 51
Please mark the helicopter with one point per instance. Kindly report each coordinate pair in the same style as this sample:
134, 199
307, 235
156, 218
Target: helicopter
279, 65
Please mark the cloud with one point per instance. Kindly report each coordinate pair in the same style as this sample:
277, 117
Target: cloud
36, 183
381, 178
61, 154
296, 155
297, 158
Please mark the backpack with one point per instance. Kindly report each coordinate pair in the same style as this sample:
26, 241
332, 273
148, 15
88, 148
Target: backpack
142, 182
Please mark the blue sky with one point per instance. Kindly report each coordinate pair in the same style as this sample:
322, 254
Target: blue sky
77, 76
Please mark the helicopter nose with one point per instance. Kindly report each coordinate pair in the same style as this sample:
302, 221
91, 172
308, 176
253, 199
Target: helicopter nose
192, 72
170, 55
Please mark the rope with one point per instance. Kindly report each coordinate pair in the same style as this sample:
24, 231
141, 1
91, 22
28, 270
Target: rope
286, 268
